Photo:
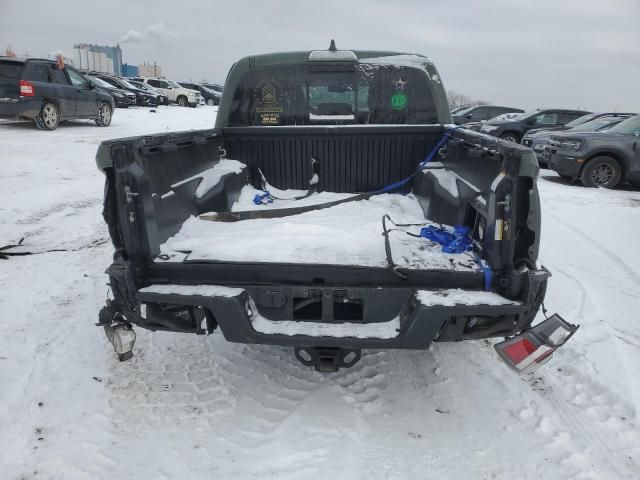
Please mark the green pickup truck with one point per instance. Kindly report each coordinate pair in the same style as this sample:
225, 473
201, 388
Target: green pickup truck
333, 208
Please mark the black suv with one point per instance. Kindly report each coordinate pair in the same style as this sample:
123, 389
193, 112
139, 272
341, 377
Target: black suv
481, 112
514, 128
121, 98
211, 97
143, 98
47, 93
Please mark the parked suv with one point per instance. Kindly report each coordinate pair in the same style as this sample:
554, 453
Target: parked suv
214, 86
481, 112
211, 97
121, 98
143, 98
537, 138
514, 129
42, 91
176, 94
161, 97
478, 125
598, 159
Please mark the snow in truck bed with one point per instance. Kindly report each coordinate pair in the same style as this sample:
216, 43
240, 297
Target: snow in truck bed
346, 234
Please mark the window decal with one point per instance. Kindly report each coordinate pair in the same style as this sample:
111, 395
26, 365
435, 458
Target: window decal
269, 103
399, 99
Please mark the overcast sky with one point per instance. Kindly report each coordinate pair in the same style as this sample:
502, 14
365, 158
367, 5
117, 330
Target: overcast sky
547, 53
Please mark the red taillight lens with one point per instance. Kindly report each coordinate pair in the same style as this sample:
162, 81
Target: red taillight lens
27, 89
517, 352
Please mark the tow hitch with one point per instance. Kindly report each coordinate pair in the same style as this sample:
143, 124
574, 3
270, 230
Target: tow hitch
533, 347
327, 359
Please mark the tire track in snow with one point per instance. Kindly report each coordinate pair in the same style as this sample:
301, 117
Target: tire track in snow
45, 213
577, 399
542, 413
590, 409
582, 296
581, 405
594, 245
320, 426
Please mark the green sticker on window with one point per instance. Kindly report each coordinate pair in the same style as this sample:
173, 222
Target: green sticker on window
399, 101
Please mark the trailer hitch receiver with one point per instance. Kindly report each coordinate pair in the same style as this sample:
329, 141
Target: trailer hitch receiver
327, 359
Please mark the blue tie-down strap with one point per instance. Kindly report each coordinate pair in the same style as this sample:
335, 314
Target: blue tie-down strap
487, 272
457, 241
421, 165
263, 198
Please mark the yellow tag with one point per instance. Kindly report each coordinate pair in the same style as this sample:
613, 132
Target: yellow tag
499, 224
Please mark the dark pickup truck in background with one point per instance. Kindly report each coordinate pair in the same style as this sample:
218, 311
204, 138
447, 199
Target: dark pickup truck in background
346, 265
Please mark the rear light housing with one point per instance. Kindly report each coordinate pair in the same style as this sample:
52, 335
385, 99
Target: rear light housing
533, 347
27, 89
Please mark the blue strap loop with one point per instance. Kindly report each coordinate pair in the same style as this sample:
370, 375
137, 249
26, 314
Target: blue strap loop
263, 198
488, 275
457, 241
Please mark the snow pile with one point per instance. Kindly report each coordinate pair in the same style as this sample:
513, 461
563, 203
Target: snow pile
286, 199
346, 234
406, 60
382, 330
193, 290
211, 177
452, 297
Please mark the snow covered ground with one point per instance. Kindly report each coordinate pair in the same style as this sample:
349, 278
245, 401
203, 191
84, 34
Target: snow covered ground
190, 407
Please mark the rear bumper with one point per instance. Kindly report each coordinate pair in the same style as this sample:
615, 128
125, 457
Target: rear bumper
415, 326
147, 101
20, 108
538, 148
121, 102
283, 304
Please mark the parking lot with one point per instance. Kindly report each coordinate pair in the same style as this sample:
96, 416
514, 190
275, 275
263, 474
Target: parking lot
189, 406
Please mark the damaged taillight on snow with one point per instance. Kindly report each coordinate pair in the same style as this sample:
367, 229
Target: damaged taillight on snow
533, 347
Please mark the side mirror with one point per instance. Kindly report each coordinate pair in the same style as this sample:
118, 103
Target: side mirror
636, 133
469, 115
531, 121
90, 86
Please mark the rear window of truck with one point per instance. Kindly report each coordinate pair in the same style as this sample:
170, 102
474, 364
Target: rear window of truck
322, 94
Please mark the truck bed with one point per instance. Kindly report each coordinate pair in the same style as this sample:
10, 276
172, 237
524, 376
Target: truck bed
346, 234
